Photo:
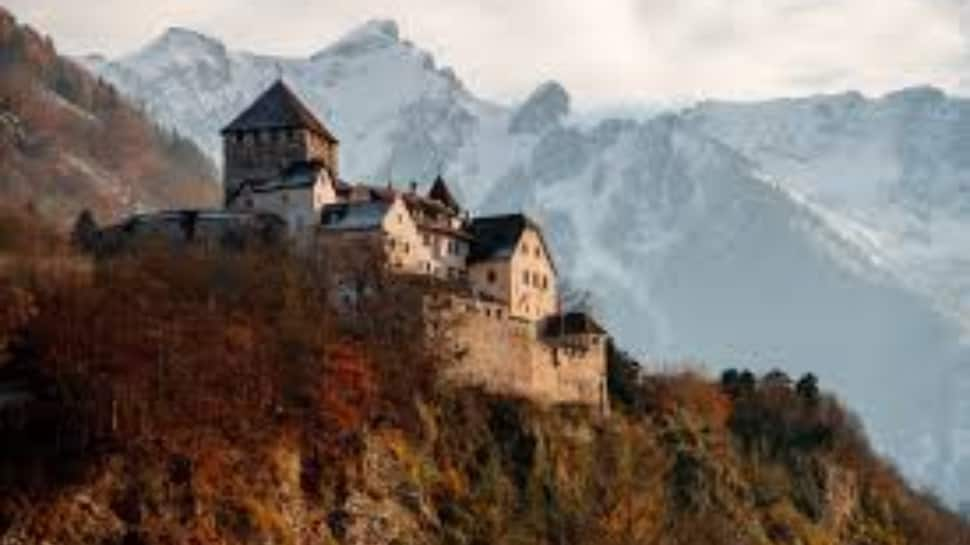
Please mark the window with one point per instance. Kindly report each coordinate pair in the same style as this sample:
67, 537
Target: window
491, 276
545, 282
400, 218
249, 202
525, 248
427, 239
407, 248
525, 277
538, 251
427, 267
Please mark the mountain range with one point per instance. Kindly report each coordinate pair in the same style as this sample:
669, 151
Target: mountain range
821, 234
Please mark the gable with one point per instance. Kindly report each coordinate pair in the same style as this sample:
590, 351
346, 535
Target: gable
499, 238
278, 108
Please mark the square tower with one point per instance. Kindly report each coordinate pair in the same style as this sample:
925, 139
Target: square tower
273, 134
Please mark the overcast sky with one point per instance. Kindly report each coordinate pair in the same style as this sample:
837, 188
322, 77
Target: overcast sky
604, 51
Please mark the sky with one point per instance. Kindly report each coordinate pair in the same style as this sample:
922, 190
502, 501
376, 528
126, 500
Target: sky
608, 53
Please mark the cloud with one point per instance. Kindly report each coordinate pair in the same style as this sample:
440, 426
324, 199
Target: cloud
605, 52
755, 48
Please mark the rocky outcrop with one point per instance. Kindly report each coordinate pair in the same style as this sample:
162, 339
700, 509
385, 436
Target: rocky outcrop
545, 109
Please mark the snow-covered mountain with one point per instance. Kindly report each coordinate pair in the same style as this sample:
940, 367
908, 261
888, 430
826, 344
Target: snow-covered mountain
891, 174
789, 234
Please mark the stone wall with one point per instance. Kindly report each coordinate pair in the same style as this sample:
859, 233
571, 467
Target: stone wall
294, 205
506, 355
262, 155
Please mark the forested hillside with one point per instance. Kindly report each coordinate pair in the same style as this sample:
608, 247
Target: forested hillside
205, 399
69, 141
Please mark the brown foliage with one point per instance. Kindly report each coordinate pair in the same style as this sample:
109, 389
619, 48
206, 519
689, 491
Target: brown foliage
173, 347
68, 141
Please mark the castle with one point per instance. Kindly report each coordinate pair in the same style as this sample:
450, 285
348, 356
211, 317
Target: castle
281, 173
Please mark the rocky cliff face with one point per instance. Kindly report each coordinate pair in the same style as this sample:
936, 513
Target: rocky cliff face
487, 471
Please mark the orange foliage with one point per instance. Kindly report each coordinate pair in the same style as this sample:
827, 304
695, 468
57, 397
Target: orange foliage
692, 393
346, 388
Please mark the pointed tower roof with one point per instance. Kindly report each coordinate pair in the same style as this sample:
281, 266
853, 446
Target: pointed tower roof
278, 108
439, 192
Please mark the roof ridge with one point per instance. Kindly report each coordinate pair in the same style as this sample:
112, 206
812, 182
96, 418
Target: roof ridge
278, 108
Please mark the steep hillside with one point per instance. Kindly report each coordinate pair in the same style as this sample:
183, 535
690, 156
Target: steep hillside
68, 141
294, 424
689, 245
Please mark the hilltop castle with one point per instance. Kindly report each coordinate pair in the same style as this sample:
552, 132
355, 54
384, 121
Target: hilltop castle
281, 173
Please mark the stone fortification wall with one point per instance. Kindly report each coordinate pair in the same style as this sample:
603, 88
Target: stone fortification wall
507, 356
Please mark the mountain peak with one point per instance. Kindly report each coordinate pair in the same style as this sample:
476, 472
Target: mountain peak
546, 107
184, 39
179, 47
373, 35
921, 94
185, 35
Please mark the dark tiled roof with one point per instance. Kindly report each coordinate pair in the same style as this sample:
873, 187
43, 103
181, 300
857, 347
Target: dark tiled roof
354, 216
230, 228
439, 192
571, 323
497, 236
299, 175
278, 108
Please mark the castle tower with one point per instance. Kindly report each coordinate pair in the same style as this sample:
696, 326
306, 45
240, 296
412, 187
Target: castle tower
275, 133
